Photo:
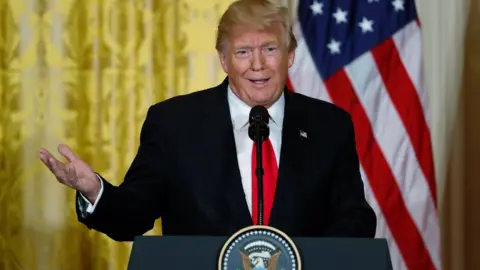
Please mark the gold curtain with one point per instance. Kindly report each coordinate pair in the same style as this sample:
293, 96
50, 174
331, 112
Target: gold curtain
461, 215
83, 72
472, 139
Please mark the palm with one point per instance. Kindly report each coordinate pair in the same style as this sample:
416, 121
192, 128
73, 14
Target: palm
75, 173
81, 169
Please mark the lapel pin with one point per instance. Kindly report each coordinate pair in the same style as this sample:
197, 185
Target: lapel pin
303, 134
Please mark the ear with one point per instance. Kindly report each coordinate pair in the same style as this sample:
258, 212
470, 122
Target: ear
291, 58
223, 61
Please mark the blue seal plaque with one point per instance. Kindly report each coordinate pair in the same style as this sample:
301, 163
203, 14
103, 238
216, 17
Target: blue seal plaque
259, 248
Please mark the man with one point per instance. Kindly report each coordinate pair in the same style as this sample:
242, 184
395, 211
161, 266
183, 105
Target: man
194, 163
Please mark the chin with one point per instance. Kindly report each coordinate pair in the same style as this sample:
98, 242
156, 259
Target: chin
263, 100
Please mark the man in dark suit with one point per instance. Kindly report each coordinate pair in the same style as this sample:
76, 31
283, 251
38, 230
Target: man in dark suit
194, 163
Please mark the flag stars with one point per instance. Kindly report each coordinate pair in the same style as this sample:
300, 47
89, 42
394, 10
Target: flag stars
334, 46
317, 8
366, 25
371, 1
398, 5
340, 16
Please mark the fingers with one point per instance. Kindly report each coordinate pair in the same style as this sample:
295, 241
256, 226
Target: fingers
47, 157
67, 153
65, 173
55, 166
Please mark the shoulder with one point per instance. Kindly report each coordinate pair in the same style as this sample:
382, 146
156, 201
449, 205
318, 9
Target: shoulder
325, 121
186, 102
184, 107
320, 111
331, 126
175, 116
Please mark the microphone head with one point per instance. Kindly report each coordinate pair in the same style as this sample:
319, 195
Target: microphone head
259, 113
258, 120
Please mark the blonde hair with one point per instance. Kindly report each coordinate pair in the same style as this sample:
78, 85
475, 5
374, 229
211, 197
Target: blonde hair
258, 15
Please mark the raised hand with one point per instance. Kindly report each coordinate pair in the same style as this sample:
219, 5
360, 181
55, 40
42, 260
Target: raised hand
75, 173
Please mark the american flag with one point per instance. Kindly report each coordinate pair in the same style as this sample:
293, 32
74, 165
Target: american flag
366, 57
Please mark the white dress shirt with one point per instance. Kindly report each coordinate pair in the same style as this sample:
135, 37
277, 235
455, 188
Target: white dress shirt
239, 112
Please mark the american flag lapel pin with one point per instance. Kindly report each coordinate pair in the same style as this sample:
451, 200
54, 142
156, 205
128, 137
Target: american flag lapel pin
303, 134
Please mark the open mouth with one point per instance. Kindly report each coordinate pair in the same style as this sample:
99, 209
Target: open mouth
259, 81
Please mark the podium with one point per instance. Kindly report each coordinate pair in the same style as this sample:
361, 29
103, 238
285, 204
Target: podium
202, 252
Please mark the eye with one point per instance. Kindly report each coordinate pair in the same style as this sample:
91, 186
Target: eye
271, 49
241, 53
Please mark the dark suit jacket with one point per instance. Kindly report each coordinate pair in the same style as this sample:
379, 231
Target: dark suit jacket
186, 172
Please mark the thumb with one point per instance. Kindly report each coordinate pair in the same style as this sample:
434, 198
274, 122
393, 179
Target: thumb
67, 153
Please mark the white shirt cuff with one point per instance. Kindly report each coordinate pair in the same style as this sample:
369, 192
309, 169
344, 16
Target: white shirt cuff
90, 207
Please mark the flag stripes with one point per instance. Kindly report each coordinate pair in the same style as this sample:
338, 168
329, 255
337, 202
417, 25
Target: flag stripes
409, 47
405, 100
380, 175
383, 91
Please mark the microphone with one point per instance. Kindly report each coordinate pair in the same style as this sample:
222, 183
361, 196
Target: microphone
259, 131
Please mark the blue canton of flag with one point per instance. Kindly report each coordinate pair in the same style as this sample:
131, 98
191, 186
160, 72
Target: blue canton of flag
337, 32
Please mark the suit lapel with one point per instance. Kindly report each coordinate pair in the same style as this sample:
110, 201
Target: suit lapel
290, 153
218, 129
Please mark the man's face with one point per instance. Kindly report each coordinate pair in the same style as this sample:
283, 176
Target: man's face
257, 64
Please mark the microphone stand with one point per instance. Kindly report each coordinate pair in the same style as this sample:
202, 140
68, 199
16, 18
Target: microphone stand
259, 171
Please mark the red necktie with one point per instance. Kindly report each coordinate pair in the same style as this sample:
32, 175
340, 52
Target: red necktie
269, 181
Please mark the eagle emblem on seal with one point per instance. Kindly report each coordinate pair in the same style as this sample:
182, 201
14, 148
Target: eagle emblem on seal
260, 255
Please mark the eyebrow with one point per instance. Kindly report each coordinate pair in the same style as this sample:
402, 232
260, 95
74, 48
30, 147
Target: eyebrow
269, 43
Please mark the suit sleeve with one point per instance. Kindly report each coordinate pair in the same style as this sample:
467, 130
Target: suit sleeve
351, 215
131, 209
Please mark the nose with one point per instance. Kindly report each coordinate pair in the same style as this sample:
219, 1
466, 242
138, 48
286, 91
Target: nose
257, 61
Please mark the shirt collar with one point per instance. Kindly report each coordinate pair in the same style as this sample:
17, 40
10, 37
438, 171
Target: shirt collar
240, 111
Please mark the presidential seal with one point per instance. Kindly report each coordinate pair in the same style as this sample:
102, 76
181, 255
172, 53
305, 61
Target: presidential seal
259, 248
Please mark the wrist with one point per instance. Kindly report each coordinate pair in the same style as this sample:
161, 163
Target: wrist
94, 189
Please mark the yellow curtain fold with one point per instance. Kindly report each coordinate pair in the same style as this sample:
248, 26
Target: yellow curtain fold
461, 218
84, 72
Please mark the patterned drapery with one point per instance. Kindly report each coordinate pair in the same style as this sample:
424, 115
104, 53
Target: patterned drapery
83, 72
